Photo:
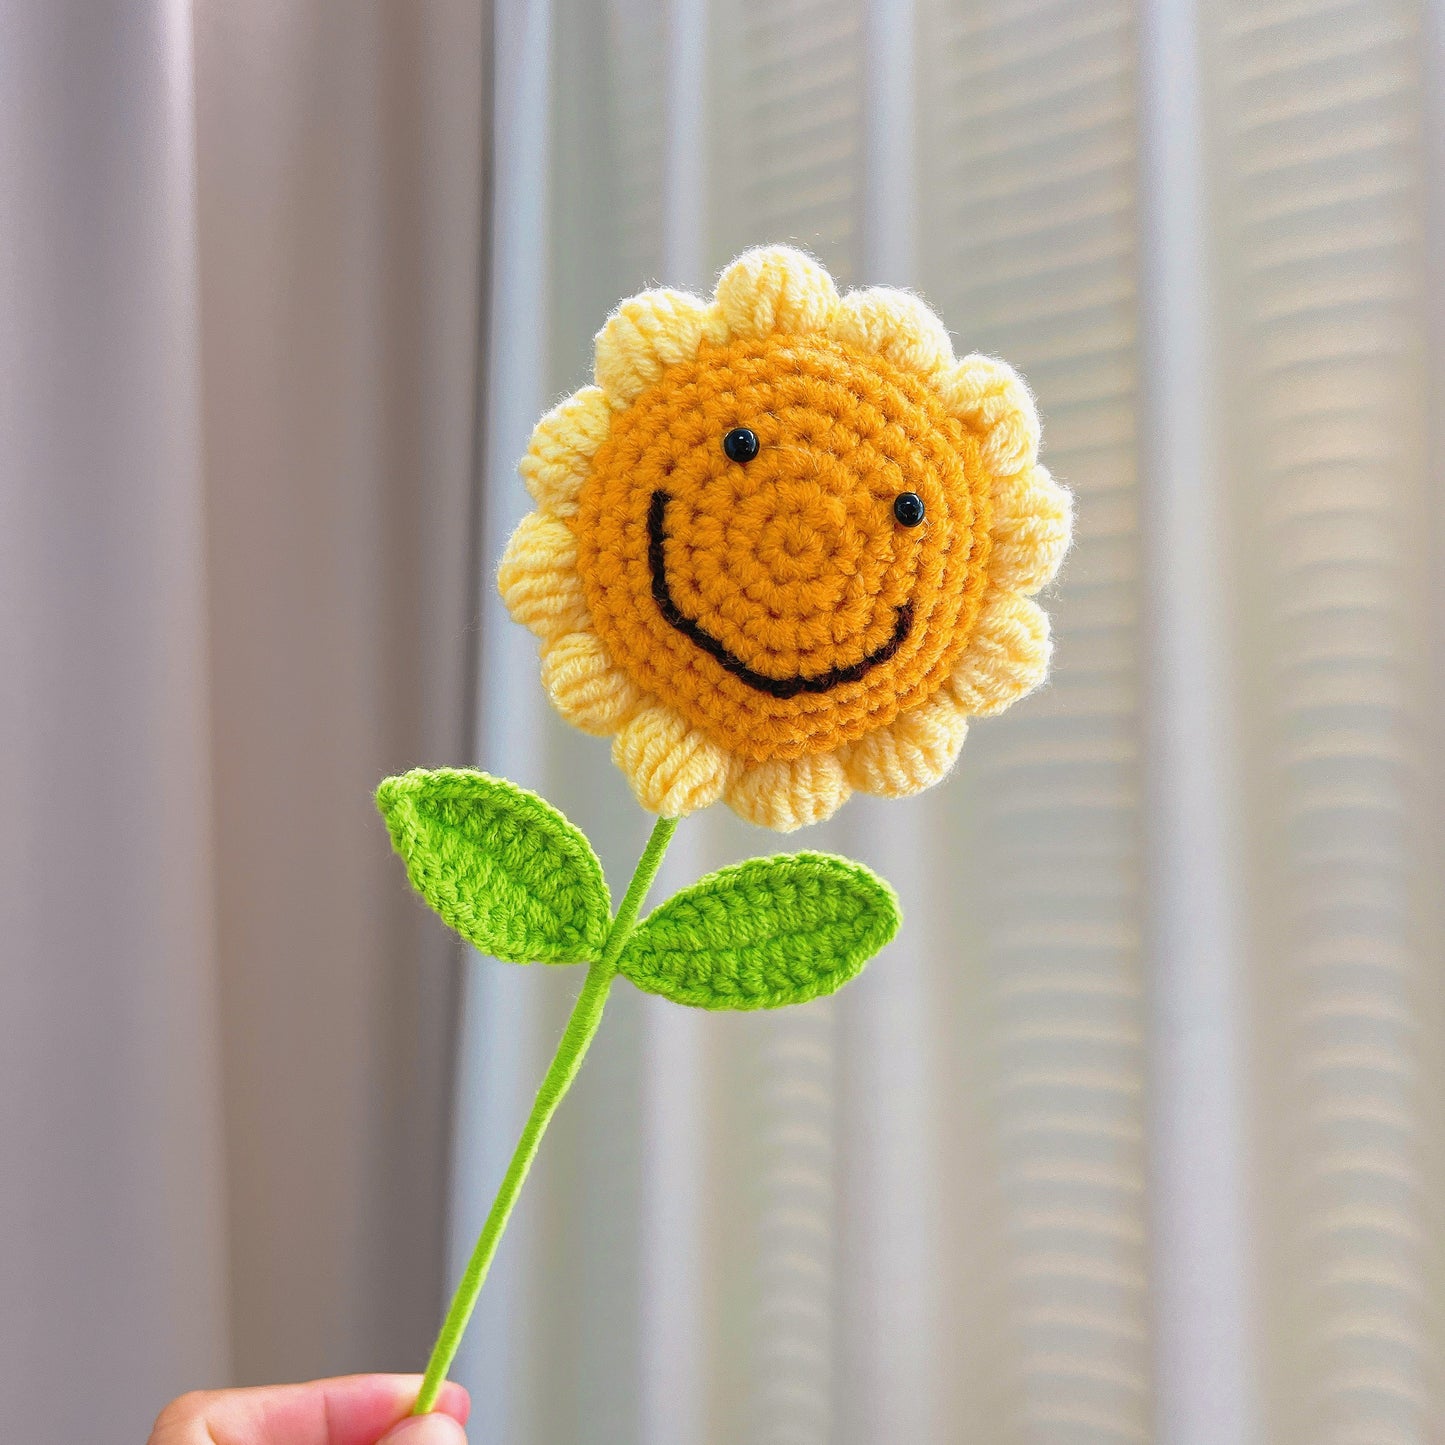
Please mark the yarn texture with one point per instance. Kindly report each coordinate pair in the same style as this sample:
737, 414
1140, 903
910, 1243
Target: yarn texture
767, 625
763, 934
510, 874
502, 866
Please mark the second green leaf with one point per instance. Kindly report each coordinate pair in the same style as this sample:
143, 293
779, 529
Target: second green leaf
763, 934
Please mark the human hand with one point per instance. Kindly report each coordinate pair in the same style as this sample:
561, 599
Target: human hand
352, 1410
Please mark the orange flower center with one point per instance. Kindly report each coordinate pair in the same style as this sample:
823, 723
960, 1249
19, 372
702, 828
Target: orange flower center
779, 603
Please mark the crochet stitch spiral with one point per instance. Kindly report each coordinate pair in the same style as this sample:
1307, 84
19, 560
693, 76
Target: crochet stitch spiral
786, 545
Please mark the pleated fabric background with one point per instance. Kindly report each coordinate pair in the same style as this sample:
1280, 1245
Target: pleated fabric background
1134, 1135
239, 271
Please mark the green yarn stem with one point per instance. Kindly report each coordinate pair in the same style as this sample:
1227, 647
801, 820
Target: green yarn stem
586, 1015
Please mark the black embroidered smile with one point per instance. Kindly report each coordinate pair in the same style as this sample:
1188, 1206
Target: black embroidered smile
783, 687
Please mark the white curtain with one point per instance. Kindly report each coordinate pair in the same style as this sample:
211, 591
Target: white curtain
1135, 1134
239, 270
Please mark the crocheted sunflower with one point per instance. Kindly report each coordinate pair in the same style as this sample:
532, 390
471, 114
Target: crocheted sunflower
786, 545
783, 549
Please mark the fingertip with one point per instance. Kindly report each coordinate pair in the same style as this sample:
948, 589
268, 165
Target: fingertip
362, 1409
454, 1401
433, 1429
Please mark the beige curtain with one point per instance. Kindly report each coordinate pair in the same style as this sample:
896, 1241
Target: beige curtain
239, 259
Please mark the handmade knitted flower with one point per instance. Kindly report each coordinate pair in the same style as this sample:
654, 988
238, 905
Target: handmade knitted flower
786, 546
782, 550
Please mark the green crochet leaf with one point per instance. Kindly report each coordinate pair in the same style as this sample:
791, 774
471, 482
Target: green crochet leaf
762, 934
502, 866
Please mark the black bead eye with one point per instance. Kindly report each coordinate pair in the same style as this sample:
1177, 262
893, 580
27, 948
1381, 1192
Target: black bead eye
908, 508
741, 444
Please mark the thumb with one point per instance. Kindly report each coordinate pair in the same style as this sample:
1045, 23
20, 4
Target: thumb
426, 1430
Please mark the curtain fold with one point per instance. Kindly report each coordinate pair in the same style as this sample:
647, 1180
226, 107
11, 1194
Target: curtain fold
339, 207
112, 1204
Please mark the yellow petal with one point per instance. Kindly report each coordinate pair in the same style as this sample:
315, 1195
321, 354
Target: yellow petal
644, 336
673, 768
586, 686
1032, 524
895, 325
775, 289
562, 447
911, 753
991, 397
538, 578
788, 793
1008, 656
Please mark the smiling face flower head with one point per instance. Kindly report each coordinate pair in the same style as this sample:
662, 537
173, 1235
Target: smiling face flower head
785, 547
